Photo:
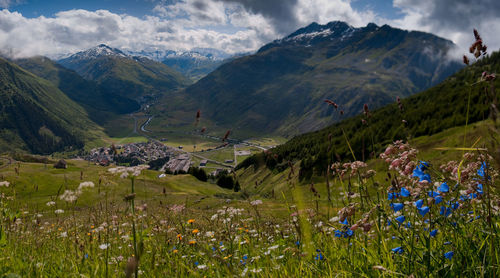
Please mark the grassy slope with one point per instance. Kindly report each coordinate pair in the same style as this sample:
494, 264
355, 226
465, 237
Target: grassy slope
38, 184
450, 138
30, 103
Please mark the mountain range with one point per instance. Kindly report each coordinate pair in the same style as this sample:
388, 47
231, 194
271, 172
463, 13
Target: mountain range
281, 88
117, 73
194, 64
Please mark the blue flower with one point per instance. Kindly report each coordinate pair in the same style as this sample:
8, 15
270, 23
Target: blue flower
408, 224
196, 263
433, 194
419, 203
319, 257
397, 206
449, 255
297, 243
86, 256
405, 192
433, 233
388, 222
348, 233
245, 257
338, 233
400, 218
445, 211
392, 196
444, 187
480, 171
480, 189
423, 210
398, 250
344, 222
438, 199
419, 173
455, 205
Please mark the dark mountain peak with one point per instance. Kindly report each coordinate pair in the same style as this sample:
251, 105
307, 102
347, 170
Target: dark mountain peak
371, 26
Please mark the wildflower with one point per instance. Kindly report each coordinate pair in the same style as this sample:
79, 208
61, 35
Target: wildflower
433, 233
179, 236
202, 266
51, 203
397, 206
419, 203
209, 234
405, 192
4, 183
192, 242
190, 221
344, 222
423, 210
438, 199
256, 203
104, 246
400, 218
85, 184
449, 255
392, 196
398, 250
195, 231
64, 234
433, 194
443, 187
445, 211
59, 211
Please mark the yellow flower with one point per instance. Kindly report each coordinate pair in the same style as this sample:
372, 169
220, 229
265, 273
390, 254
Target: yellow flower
195, 231
179, 236
190, 221
191, 242
175, 251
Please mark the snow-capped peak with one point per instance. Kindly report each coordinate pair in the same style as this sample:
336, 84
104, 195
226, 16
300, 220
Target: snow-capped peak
99, 51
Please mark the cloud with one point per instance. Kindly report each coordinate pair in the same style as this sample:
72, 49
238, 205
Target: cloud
74, 30
5, 4
453, 19
231, 25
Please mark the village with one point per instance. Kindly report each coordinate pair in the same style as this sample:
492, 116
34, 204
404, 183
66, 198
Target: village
157, 155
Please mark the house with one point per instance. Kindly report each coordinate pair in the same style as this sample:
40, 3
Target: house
229, 161
203, 163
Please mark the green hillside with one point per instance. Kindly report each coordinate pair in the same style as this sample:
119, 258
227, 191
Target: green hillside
441, 107
37, 117
96, 101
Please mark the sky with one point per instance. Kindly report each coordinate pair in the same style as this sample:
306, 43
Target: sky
61, 27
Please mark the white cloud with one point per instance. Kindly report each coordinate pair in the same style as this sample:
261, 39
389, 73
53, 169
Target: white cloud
452, 19
230, 25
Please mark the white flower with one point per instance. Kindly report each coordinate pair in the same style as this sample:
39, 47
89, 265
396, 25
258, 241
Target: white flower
273, 247
85, 184
59, 211
51, 203
70, 196
104, 246
202, 266
4, 183
64, 234
209, 234
256, 202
